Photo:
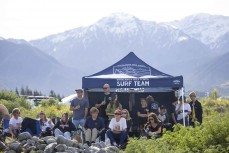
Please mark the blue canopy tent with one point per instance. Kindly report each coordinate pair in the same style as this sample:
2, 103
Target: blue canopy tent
132, 79
132, 73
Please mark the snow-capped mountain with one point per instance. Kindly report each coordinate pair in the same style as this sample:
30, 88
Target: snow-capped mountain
191, 47
99, 45
205, 27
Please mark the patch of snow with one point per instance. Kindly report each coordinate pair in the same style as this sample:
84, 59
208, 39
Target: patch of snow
182, 38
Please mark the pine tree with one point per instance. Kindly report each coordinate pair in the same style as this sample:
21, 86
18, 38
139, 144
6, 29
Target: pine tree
22, 91
16, 91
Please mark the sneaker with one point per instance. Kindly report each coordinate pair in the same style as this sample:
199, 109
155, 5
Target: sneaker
88, 143
115, 144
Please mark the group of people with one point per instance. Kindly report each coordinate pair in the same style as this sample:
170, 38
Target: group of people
108, 118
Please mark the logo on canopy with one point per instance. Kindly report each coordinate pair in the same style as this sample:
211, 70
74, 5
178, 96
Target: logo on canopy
132, 70
176, 81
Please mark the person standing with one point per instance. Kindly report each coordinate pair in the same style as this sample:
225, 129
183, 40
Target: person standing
197, 111
102, 104
153, 105
180, 114
172, 111
142, 114
79, 106
113, 105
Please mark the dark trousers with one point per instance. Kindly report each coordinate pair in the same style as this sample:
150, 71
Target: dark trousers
122, 136
181, 121
47, 132
106, 124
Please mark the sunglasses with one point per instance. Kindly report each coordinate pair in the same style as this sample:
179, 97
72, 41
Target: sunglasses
117, 114
124, 112
41, 113
105, 87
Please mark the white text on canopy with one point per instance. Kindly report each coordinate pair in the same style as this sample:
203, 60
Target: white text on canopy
133, 82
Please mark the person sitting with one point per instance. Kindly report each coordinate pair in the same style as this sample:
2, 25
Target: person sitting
129, 122
64, 127
94, 126
153, 125
46, 125
142, 113
117, 130
163, 117
15, 123
112, 106
4, 113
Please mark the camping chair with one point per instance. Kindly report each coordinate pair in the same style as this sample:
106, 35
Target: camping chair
32, 126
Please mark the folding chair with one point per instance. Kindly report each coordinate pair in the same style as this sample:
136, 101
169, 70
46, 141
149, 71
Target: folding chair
5, 128
32, 126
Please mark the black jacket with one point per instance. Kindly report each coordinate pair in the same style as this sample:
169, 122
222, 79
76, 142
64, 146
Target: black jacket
65, 127
198, 110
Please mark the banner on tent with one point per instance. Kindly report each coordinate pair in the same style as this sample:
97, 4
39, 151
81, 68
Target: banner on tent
133, 82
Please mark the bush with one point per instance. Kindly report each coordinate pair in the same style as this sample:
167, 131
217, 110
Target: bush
9, 105
11, 100
49, 102
211, 136
51, 111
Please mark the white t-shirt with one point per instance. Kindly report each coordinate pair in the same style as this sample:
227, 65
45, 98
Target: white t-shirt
14, 122
121, 125
44, 125
162, 117
180, 113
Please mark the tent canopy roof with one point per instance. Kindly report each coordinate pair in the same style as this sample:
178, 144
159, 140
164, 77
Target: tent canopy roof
132, 72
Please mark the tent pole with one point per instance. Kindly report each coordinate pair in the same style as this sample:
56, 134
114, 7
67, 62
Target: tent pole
182, 94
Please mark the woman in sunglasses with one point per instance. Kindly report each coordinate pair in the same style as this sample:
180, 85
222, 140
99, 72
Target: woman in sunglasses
46, 125
153, 126
117, 130
129, 122
15, 122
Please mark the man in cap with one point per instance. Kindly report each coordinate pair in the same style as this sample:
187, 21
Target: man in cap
79, 106
197, 111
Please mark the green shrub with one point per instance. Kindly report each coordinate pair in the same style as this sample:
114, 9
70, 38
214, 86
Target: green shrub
9, 105
11, 100
49, 102
211, 136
